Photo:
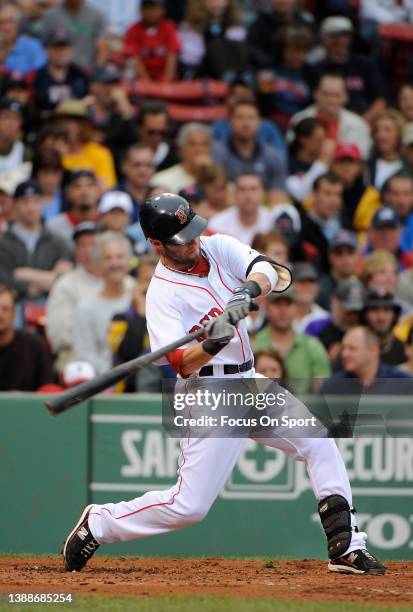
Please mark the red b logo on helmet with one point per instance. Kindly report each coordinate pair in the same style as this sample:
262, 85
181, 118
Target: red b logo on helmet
182, 216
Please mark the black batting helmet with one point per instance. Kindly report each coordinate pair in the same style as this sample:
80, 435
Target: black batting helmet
169, 218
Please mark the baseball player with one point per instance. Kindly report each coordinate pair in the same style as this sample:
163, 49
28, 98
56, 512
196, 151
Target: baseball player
197, 279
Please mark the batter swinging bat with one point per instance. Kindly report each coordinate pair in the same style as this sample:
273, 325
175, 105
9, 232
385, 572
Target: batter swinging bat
72, 397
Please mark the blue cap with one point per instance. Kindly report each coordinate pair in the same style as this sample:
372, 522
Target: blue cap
385, 217
27, 189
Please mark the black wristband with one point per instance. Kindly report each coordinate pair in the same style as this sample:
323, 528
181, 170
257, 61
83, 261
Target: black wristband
253, 288
211, 347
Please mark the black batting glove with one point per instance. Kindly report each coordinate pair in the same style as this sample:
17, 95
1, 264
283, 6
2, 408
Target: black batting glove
242, 303
219, 333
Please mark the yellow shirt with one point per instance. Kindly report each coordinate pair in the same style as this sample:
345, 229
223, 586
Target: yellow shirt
93, 157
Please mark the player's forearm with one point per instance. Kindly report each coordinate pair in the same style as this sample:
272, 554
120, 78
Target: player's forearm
262, 280
193, 359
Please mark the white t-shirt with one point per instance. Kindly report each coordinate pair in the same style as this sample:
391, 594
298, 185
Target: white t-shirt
228, 222
173, 179
384, 170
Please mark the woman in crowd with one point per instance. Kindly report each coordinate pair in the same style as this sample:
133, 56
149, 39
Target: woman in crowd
270, 364
213, 179
386, 130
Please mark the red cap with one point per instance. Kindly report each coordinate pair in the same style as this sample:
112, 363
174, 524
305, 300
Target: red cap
346, 150
50, 388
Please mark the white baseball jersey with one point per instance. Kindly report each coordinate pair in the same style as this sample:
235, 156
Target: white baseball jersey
179, 303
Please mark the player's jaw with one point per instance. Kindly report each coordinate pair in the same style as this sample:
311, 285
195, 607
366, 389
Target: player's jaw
181, 257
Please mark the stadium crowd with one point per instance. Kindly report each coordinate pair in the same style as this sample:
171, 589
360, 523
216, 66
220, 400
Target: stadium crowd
286, 123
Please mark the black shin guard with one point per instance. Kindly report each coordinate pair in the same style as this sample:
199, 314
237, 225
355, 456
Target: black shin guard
335, 516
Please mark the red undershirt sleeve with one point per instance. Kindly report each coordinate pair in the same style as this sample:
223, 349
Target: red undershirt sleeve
175, 360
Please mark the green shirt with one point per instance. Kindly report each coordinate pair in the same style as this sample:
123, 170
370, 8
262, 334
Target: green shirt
307, 359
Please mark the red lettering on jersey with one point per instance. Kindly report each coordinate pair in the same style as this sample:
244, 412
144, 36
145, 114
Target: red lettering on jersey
212, 314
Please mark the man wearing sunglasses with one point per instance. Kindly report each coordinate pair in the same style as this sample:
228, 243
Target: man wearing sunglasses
153, 130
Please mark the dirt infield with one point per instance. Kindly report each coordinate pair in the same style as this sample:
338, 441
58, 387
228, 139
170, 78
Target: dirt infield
305, 579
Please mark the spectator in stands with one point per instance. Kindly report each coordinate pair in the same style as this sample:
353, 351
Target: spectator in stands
386, 160
310, 156
48, 172
83, 152
380, 314
32, 15
212, 40
243, 153
365, 87
129, 335
137, 171
407, 366
285, 91
362, 370
59, 79
322, 222
15, 86
405, 101
342, 256
240, 88
305, 359
341, 125
385, 233
23, 53
213, 179
398, 194
25, 364
92, 316
360, 200
264, 35
248, 216
347, 303
194, 144
116, 210
153, 130
306, 288
80, 283
112, 114
53, 135
12, 149
270, 364
31, 257
408, 150
272, 244
81, 195
286, 219
380, 271
153, 43
87, 26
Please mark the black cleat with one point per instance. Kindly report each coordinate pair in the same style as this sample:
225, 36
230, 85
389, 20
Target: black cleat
357, 562
80, 545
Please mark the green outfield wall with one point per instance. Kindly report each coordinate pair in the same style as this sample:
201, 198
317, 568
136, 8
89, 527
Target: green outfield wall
115, 448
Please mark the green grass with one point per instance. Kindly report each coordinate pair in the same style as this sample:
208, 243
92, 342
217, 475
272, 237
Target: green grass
199, 603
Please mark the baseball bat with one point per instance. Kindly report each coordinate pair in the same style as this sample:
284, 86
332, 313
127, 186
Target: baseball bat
76, 395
